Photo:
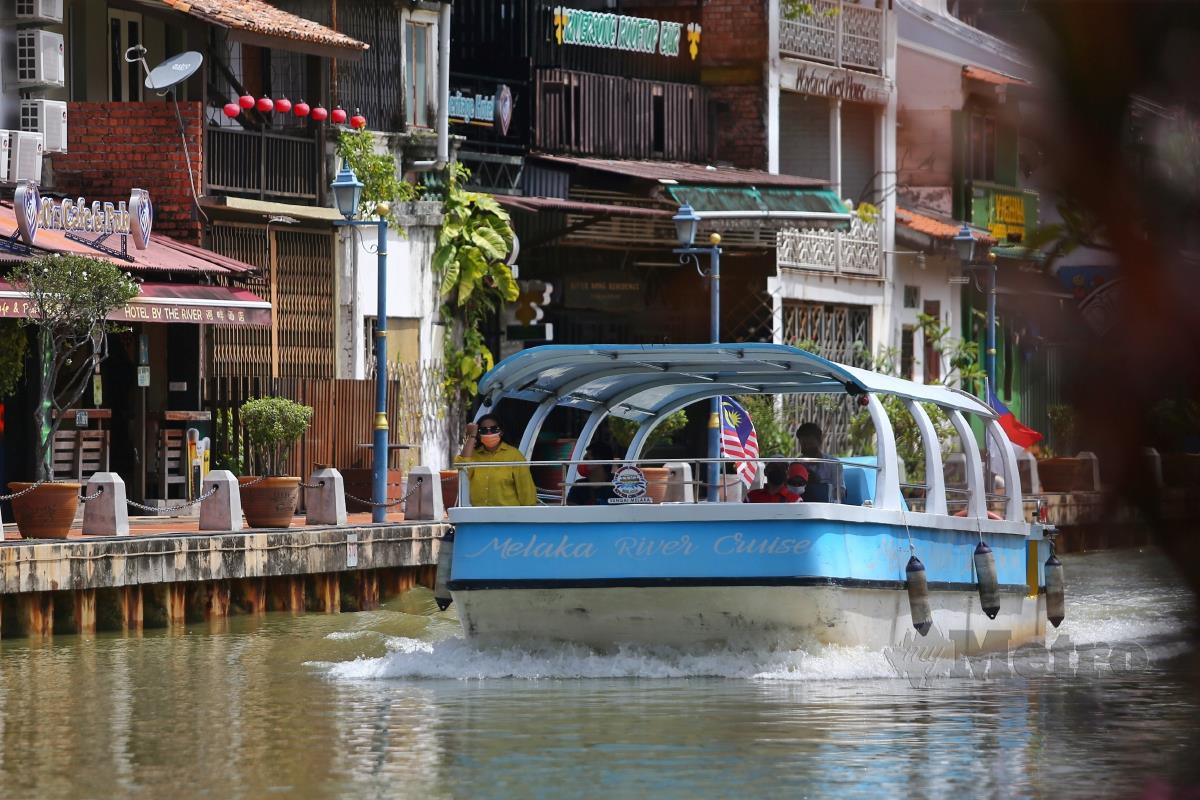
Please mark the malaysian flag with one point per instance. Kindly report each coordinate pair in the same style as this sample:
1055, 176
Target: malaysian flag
738, 439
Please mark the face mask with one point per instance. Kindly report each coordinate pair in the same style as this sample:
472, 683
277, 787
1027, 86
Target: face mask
490, 440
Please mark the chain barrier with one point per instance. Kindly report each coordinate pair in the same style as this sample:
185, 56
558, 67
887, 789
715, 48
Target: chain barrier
393, 503
86, 497
180, 507
254, 482
317, 485
21, 493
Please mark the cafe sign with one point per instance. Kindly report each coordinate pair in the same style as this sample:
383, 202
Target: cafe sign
1009, 214
35, 213
573, 26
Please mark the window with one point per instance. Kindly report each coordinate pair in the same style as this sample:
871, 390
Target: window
417, 38
124, 78
981, 148
906, 352
912, 296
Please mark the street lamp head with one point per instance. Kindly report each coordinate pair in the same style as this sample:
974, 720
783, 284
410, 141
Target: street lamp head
714, 239
347, 191
964, 244
686, 222
383, 208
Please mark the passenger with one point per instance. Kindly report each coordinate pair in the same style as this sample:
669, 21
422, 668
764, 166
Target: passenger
822, 475
797, 480
495, 486
594, 495
776, 490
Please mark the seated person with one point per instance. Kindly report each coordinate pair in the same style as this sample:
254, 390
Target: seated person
823, 475
797, 480
776, 490
593, 495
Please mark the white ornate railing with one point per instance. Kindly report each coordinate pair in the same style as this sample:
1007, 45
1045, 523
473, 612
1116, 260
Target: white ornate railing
857, 252
836, 32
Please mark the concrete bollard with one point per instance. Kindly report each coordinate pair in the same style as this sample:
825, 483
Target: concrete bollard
679, 483
425, 502
326, 505
1088, 456
106, 515
223, 510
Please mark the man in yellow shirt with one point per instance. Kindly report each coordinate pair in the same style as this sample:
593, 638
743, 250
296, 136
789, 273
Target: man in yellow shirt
495, 486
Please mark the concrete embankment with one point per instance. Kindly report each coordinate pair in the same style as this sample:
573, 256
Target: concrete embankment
169, 579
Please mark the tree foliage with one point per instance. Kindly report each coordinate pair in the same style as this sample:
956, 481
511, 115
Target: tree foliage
623, 430
70, 298
473, 279
13, 345
377, 171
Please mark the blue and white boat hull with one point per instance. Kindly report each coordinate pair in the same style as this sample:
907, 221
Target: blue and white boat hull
737, 575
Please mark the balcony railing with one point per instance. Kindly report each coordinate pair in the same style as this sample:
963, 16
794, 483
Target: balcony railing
835, 32
266, 165
856, 253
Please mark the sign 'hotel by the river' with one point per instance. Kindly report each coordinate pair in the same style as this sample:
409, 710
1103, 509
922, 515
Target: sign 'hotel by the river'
618, 32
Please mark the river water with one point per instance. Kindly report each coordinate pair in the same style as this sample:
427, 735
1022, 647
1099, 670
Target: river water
394, 703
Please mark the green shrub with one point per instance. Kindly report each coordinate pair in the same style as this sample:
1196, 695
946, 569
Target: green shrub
623, 430
272, 425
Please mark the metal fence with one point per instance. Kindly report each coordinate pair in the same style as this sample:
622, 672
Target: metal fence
842, 34
857, 252
266, 165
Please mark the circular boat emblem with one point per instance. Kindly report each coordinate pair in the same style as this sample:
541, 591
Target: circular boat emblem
629, 481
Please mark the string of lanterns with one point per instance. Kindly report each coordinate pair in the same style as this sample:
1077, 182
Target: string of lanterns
282, 105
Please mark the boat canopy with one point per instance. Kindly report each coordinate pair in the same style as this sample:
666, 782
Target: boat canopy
639, 382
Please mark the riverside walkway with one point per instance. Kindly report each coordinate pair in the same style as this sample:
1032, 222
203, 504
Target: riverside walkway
167, 573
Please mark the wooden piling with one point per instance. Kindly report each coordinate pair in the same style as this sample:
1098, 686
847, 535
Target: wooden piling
251, 594
131, 609
327, 593
218, 595
286, 594
173, 597
85, 611
35, 613
366, 585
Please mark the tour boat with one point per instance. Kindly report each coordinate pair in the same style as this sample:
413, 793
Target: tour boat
714, 573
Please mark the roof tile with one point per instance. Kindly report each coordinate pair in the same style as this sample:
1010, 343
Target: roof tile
263, 18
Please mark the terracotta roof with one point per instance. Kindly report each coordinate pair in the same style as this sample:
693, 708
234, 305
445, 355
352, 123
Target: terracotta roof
683, 172
990, 76
162, 254
937, 228
264, 19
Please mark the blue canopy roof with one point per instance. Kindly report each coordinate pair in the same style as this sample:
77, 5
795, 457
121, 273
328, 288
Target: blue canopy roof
637, 382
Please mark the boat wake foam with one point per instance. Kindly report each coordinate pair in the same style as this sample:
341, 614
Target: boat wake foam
458, 659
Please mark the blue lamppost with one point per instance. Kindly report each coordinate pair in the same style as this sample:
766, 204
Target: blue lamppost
686, 222
964, 246
347, 194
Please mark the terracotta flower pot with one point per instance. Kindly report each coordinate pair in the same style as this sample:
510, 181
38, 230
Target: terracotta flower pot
271, 503
656, 482
48, 511
449, 488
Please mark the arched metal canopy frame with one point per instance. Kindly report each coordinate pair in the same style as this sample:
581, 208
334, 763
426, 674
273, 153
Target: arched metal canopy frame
648, 383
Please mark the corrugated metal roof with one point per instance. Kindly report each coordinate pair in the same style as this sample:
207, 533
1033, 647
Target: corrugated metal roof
681, 172
576, 207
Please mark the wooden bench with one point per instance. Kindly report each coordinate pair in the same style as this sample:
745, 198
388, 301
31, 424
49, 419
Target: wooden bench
76, 455
170, 463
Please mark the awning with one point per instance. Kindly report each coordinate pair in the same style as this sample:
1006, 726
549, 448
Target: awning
973, 73
258, 22
535, 204
672, 172
940, 228
637, 382
169, 303
713, 201
162, 254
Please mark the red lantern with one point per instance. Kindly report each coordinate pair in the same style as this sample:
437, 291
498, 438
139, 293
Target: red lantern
319, 114
358, 122
265, 104
301, 109
232, 110
246, 101
338, 115
283, 105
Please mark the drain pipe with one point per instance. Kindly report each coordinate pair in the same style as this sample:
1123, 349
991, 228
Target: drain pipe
443, 118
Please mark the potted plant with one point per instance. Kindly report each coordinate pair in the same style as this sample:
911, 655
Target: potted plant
271, 426
623, 431
70, 298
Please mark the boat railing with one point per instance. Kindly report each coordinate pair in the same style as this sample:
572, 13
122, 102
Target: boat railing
729, 486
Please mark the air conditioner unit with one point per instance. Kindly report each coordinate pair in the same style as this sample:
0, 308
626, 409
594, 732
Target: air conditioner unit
40, 60
49, 118
25, 157
5, 137
39, 10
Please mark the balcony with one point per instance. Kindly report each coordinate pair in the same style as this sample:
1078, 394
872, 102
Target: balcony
281, 166
835, 32
856, 253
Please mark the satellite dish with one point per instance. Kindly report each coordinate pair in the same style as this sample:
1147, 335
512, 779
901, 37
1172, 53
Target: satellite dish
174, 71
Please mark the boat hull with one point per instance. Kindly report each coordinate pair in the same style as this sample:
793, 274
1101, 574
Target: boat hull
707, 617
695, 576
